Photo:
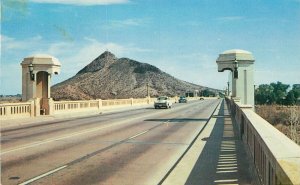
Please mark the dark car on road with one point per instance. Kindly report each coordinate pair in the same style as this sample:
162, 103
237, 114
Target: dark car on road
182, 99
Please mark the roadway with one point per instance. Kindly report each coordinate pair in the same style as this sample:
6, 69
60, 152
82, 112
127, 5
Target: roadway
131, 147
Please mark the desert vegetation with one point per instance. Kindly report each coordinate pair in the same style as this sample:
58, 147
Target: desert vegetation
284, 118
280, 107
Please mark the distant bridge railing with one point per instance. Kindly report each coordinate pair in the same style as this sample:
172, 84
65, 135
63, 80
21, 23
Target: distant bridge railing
275, 157
61, 107
33, 108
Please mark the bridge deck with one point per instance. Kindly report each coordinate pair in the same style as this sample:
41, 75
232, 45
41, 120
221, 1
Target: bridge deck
217, 157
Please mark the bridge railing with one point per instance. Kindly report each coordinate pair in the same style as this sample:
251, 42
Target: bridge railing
25, 109
33, 108
69, 106
275, 157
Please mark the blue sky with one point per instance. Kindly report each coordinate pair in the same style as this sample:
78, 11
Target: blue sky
183, 38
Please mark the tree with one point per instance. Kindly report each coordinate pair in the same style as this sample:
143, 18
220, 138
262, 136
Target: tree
207, 93
280, 91
296, 90
290, 98
277, 93
265, 94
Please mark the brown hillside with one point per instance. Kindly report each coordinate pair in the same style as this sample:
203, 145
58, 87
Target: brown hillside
109, 77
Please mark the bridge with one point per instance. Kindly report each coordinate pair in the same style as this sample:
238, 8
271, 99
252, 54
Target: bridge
210, 141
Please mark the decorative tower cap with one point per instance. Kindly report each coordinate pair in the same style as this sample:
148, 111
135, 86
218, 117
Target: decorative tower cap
41, 59
235, 54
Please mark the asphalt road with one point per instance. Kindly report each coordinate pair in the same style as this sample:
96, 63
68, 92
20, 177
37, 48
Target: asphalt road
132, 147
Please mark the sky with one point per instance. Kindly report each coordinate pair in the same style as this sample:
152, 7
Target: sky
181, 37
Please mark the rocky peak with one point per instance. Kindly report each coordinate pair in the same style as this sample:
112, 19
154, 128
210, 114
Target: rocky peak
102, 61
107, 55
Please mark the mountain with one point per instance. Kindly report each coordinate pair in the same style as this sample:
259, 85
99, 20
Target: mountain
109, 77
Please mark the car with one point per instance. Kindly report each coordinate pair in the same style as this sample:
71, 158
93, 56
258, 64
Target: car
163, 101
182, 99
201, 98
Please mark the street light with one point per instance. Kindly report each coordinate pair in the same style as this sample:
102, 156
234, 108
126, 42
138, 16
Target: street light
228, 88
30, 67
235, 71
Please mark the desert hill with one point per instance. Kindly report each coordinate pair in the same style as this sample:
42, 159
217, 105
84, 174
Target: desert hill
110, 77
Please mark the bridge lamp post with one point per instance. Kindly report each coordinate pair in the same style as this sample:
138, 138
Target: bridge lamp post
30, 67
235, 71
227, 88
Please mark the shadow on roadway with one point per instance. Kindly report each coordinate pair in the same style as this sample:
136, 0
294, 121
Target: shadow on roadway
177, 120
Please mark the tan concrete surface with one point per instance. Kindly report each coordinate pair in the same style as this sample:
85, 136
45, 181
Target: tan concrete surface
217, 157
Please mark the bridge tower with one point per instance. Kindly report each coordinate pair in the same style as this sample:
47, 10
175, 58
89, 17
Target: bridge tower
36, 80
240, 63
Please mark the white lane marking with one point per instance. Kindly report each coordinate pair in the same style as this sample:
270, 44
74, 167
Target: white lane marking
59, 138
43, 175
138, 134
60, 168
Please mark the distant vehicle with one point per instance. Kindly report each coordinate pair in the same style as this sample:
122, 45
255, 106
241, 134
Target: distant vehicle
182, 99
163, 101
201, 98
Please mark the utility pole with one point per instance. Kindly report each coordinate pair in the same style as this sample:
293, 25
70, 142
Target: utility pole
148, 90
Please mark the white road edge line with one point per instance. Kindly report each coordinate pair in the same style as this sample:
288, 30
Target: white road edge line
43, 175
143, 132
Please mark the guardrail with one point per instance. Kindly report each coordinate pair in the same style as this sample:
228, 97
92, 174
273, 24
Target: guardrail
74, 106
275, 156
61, 107
25, 109
33, 108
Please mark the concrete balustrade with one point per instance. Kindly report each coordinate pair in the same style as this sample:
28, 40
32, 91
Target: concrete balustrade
17, 110
61, 107
275, 156
33, 108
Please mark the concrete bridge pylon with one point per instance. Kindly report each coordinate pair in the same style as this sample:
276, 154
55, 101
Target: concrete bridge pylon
241, 65
36, 81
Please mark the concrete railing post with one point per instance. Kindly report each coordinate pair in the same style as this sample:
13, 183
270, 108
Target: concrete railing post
131, 101
99, 104
242, 122
51, 106
148, 100
31, 108
37, 106
8, 111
